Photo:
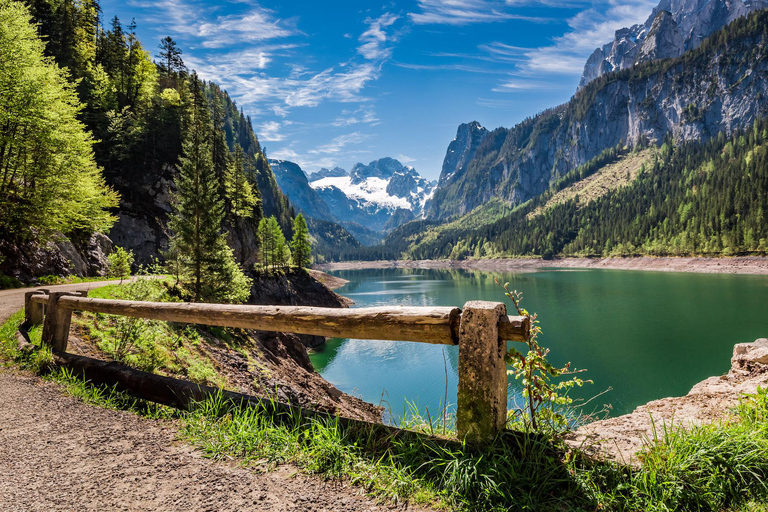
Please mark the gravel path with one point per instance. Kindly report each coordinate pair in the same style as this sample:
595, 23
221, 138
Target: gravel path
59, 454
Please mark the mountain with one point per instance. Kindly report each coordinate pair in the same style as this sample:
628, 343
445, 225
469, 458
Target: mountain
461, 150
372, 195
327, 173
293, 183
674, 27
719, 87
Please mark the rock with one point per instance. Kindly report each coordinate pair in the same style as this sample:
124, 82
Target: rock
663, 41
461, 151
745, 355
713, 399
722, 89
294, 183
29, 261
674, 26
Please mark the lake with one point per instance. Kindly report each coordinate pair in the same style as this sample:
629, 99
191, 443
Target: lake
644, 335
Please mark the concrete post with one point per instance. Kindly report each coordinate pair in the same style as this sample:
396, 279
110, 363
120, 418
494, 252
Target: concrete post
482, 397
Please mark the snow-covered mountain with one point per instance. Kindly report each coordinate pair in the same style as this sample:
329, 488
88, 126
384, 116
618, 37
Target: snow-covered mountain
375, 197
371, 194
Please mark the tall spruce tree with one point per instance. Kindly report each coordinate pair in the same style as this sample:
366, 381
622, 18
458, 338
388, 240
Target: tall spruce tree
239, 191
208, 267
301, 247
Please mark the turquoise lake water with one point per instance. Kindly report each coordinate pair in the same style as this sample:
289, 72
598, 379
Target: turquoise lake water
645, 335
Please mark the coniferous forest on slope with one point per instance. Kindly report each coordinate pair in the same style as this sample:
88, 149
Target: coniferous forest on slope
130, 108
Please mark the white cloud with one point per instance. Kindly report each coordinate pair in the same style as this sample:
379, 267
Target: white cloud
464, 12
339, 143
589, 29
272, 131
362, 115
196, 19
374, 40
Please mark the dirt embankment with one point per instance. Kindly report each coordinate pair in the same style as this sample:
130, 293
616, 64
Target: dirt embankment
713, 399
726, 265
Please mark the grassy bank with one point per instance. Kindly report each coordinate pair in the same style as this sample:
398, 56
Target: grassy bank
722, 466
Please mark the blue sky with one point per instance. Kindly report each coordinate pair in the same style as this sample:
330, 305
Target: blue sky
335, 83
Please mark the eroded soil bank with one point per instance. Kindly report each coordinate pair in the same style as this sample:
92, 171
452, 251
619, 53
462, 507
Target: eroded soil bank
736, 265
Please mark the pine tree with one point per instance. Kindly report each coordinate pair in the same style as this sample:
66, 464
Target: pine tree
266, 242
170, 57
300, 245
208, 265
238, 190
281, 253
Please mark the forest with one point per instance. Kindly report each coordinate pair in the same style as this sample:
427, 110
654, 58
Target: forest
111, 115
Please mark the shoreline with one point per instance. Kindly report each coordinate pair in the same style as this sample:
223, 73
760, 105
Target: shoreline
750, 265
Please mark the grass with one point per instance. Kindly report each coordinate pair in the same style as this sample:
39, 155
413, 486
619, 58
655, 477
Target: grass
717, 467
149, 345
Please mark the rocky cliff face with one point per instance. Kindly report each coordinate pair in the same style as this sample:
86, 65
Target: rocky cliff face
674, 27
293, 182
29, 261
460, 152
721, 86
143, 216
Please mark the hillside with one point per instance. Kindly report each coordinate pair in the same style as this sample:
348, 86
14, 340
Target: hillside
691, 199
137, 112
718, 87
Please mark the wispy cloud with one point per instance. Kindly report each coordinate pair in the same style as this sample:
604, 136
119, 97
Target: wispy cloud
589, 29
339, 143
464, 12
196, 19
362, 115
374, 40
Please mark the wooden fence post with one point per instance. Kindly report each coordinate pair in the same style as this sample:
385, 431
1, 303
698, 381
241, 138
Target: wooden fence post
33, 311
57, 321
482, 397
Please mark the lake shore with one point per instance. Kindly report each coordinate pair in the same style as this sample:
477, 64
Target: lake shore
755, 265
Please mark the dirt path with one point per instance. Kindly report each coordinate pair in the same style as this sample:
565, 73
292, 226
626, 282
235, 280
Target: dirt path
13, 300
59, 454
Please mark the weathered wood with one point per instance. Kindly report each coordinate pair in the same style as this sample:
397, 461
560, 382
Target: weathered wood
515, 328
57, 321
439, 325
183, 395
23, 344
427, 325
482, 391
33, 311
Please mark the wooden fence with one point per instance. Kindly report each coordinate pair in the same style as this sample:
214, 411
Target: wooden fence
480, 329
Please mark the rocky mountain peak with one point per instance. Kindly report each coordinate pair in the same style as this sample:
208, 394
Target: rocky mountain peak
674, 27
383, 168
336, 172
461, 150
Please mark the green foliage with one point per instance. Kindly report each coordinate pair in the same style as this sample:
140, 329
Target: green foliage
198, 246
148, 345
545, 397
49, 181
120, 262
239, 191
8, 282
274, 251
301, 247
